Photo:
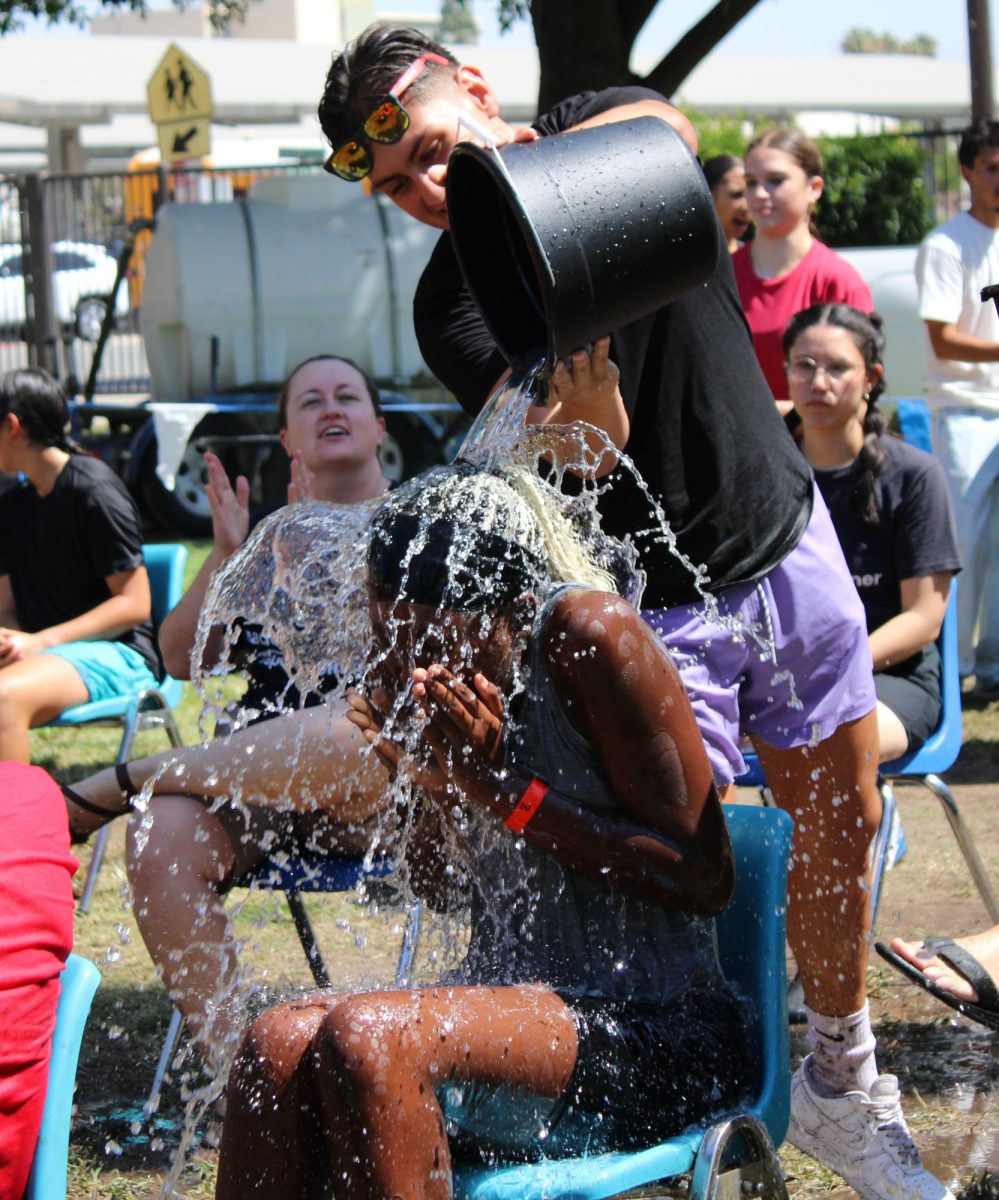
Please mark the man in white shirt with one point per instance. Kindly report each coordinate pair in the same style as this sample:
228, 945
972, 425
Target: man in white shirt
956, 260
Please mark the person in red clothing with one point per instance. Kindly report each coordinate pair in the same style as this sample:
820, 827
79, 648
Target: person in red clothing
36, 936
785, 268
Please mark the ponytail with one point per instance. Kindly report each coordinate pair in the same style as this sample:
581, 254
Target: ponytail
39, 403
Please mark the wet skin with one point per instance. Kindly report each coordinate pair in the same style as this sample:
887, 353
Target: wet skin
623, 694
358, 1073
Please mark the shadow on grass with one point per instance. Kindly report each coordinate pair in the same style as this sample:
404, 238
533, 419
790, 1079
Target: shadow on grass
121, 1047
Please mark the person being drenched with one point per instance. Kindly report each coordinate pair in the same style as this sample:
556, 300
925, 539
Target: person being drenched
547, 757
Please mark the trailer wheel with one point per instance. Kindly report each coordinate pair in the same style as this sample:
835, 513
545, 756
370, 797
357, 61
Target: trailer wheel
409, 447
185, 510
90, 314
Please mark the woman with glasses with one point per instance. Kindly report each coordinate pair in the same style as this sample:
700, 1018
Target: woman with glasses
889, 505
785, 268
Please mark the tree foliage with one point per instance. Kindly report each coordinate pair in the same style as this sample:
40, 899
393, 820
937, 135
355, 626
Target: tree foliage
458, 24
866, 41
13, 13
578, 47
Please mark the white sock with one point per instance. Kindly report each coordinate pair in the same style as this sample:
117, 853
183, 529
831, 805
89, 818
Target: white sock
842, 1052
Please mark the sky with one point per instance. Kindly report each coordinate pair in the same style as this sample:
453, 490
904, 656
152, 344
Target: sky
805, 28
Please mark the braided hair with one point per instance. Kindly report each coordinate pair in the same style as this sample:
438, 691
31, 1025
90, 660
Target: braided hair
39, 403
865, 329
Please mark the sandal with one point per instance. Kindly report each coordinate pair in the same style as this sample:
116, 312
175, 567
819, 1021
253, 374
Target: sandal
984, 1010
128, 791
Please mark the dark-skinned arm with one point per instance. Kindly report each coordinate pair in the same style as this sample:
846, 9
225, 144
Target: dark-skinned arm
668, 842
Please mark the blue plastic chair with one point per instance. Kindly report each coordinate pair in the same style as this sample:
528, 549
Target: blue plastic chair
751, 947
925, 765
915, 422
147, 709
295, 876
78, 983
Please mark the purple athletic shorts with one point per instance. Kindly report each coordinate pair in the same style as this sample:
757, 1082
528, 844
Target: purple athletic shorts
802, 668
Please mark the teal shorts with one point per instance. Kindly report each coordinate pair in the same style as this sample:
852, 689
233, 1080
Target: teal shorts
108, 669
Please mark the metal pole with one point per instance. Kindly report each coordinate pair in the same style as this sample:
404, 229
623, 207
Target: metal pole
980, 50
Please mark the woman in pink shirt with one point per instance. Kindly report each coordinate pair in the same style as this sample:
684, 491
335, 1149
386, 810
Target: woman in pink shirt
785, 268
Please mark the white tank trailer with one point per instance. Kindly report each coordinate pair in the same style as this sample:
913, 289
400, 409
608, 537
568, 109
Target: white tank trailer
236, 294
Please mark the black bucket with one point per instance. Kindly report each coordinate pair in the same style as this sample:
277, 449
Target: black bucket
598, 228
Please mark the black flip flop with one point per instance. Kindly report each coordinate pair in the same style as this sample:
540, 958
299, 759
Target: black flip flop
985, 1010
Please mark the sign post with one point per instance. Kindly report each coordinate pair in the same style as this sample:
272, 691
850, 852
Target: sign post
180, 106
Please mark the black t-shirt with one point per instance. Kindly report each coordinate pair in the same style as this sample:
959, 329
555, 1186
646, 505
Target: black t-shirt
59, 549
915, 535
705, 433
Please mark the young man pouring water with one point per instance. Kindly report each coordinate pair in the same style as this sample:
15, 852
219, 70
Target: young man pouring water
681, 393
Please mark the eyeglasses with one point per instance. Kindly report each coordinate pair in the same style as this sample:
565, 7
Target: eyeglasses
804, 370
352, 159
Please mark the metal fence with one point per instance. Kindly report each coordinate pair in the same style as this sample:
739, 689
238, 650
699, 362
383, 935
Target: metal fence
61, 237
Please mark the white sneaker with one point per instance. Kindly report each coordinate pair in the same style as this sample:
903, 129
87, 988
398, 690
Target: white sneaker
863, 1138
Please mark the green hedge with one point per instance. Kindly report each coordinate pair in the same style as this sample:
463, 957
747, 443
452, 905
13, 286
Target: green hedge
875, 193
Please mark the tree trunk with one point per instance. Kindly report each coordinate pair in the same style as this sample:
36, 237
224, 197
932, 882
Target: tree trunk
581, 47
588, 46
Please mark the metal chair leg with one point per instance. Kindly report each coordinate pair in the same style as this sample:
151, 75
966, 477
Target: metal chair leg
410, 940
307, 936
169, 1045
965, 841
879, 847
96, 858
737, 1159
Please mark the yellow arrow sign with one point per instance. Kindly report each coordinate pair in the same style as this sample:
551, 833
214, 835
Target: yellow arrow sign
184, 139
178, 90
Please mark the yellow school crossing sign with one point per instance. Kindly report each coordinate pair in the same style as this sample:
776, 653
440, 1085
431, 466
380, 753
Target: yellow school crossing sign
180, 106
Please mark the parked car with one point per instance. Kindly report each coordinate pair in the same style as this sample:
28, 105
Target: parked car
83, 274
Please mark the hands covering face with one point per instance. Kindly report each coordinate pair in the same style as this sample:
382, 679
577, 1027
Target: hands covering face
460, 732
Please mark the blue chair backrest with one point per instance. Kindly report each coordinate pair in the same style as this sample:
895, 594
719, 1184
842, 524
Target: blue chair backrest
915, 422
751, 933
165, 565
751, 944
165, 562
940, 750
78, 983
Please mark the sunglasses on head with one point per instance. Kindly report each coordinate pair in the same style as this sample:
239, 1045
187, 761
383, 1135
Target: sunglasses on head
352, 159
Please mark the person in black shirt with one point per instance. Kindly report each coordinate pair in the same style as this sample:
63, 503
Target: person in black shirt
75, 608
890, 507
681, 392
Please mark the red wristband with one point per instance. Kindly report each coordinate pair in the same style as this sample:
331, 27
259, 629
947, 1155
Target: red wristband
527, 805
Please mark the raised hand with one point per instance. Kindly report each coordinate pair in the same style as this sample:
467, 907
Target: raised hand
303, 481
230, 508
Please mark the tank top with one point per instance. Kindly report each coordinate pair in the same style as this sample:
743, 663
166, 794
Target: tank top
534, 920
